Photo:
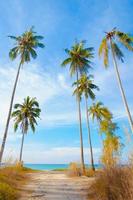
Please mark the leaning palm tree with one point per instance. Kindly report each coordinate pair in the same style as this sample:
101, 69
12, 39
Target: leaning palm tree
25, 48
79, 61
99, 112
86, 87
110, 42
25, 116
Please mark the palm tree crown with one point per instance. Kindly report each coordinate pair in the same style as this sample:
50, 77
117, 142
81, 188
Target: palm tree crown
85, 86
25, 114
79, 58
100, 112
115, 37
26, 46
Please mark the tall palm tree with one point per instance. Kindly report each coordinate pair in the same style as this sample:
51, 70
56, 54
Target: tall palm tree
25, 116
99, 112
110, 42
25, 48
86, 87
79, 61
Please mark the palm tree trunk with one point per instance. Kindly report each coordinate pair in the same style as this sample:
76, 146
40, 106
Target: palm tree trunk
121, 88
21, 150
81, 134
9, 114
89, 135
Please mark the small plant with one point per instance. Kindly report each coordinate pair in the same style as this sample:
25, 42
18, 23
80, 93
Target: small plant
74, 170
90, 172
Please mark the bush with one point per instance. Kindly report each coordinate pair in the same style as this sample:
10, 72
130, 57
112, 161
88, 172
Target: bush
7, 192
11, 179
12, 175
90, 172
114, 183
74, 170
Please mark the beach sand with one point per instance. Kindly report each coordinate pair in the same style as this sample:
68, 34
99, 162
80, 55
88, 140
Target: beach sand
56, 186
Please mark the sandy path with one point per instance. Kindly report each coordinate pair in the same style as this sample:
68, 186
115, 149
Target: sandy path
56, 186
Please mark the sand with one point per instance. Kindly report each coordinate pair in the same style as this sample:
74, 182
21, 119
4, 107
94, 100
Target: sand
56, 186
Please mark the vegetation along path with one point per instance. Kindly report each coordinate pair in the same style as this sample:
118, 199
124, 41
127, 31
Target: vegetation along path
56, 186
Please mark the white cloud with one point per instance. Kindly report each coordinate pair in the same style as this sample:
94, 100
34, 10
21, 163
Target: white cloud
63, 83
33, 82
52, 155
54, 94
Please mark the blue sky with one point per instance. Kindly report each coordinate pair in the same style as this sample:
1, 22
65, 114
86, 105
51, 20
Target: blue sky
61, 22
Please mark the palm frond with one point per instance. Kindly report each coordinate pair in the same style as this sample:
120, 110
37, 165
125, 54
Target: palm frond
118, 52
38, 37
12, 37
17, 105
91, 94
66, 62
13, 53
41, 45
15, 126
125, 39
103, 51
33, 53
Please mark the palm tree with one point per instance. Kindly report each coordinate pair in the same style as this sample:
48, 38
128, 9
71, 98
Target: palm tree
109, 42
86, 87
99, 112
25, 116
79, 61
25, 48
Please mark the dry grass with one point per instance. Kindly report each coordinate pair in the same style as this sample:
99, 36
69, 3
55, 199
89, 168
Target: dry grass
114, 183
7, 192
11, 179
74, 170
90, 172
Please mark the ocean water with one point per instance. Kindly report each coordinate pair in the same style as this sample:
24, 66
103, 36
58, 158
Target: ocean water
51, 166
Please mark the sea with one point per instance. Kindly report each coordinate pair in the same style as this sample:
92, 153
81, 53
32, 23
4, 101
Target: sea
53, 166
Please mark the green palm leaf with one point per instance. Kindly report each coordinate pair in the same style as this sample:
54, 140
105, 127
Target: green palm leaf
103, 51
118, 52
125, 40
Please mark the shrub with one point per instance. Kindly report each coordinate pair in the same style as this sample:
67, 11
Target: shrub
114, 183
74, 170
11, 179
90, 172
7, 192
